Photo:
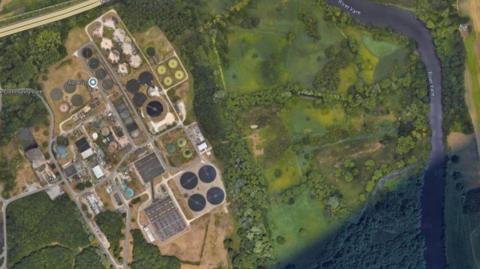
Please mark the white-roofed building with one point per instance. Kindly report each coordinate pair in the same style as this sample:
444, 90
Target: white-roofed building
110, 22
202, 147
106, 44
127, 48
135, 61
119, 35
114, 56
122, 69
98, 32
87, 153
98, 171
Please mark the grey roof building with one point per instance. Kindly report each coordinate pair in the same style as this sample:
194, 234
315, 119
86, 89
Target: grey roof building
36, 157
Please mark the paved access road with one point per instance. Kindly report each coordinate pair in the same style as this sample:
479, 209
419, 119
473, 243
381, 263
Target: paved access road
50, 17
405, 22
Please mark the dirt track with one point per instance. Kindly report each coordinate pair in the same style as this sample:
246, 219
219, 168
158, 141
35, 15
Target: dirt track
474, 11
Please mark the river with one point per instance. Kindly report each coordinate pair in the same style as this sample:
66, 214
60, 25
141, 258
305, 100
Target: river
432, 198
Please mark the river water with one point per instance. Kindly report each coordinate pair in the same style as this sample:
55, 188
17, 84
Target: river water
432, 199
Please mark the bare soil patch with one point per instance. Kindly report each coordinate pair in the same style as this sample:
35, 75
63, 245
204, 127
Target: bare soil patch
188, 247
202, 247
257, 142
69, 67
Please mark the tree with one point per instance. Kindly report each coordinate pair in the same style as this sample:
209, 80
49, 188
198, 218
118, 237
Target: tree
47, 47
280, 240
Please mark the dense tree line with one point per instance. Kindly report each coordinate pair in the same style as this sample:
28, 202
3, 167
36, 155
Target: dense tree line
146, 255
442, 18
111, 223
20, 111
36, 222
386, 236
338, 57
89, 258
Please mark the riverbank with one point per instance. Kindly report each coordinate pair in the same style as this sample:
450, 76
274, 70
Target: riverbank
432, 198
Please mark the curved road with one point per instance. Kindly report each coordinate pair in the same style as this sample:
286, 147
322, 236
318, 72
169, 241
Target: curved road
50, 17
406, 23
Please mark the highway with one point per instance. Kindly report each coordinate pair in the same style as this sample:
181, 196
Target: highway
54, 16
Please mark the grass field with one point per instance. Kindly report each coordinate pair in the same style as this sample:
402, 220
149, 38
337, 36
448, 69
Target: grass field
462, 230
472, 68
297, 224
280, 43
280, 38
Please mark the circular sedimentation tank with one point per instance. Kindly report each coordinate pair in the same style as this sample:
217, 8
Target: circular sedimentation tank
197, 202
181, 142
70, 86
77, 100
93, 63
167, 81
171, 149
189, 180
154, 108
63, 107
187, 154
179, 75
87, 53
172, 63
215, 195
146, 78
100, 73
207, 173
133, 86
129, 193
56, 94
107, 84
162, 69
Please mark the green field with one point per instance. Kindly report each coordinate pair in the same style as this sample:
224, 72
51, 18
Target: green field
42, 233
319, 159
472, 67
462, 233
277, 50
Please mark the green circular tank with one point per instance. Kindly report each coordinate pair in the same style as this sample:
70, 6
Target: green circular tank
181, 142
187, 154
171, 148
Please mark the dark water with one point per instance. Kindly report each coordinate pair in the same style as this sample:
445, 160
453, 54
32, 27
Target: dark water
407, 24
